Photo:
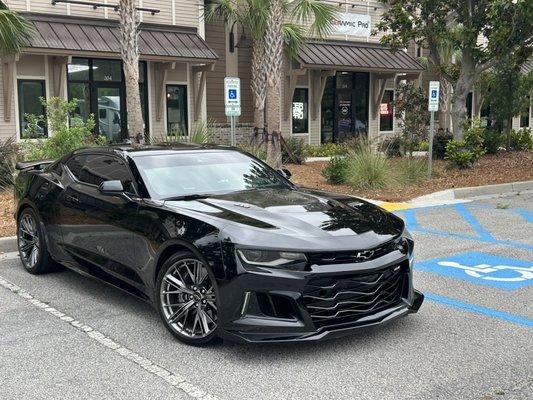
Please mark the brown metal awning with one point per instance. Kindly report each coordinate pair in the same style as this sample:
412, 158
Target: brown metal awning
78, 36
343, 55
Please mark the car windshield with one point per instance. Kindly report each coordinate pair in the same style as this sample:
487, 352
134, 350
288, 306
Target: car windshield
205, 172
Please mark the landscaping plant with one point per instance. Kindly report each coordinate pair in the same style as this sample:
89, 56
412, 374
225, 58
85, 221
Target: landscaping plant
68, 131
493, 140
464, 153
336, 170
391, 146
440, 140
368, 169
521, 139
294, 152
10, 154
325, 150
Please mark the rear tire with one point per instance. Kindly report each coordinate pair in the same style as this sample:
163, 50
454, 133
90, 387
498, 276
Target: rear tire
32, 243
186, 298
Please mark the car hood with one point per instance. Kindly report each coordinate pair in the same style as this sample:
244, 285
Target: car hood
302, 218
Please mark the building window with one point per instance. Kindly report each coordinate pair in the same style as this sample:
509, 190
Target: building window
470, 105
386, 112
524, 116
177, 110
99, 89
300, 113
30, 93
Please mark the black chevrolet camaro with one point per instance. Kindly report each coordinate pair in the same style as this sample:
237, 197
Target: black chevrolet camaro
220, 243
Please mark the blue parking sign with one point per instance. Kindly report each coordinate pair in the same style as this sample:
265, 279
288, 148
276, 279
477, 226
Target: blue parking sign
434, 94
232, 94
483, 268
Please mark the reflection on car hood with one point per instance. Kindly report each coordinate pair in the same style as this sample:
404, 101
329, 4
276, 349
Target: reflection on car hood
300, 214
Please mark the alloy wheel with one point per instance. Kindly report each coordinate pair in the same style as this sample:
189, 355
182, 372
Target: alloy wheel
28, 235
188, 299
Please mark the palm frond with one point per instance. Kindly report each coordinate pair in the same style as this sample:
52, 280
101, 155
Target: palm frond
293, 37
318, 14
15, 31
227, 9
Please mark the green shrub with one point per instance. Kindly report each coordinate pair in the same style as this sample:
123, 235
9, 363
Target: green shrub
10, 153
440, 140
391, 146
69, 133
458, 153
521, 139
493, 140
423, 145
474, 139
411, 170
335, 170
325, 150
293, 152
368, 169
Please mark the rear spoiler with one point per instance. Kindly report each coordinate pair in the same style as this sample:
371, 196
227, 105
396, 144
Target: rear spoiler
40, 164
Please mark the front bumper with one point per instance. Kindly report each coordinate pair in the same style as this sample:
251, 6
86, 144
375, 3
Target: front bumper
297, 309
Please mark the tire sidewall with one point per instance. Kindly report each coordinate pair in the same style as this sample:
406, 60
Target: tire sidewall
162, 272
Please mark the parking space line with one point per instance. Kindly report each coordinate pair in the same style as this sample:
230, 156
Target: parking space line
473, 222
516, 319
151, 367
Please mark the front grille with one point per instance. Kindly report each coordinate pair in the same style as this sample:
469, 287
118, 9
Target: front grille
340, 300
352, 256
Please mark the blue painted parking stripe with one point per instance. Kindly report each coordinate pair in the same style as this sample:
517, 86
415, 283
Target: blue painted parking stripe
474, 223
516, 319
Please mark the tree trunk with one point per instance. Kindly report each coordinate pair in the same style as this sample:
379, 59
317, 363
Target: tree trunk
258, 84
129, 50
273, 65
460, 93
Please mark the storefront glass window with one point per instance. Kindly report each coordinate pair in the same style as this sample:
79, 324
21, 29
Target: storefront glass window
78, 70
177, 110
386, 112
524, 116
327, 115
300, 115
80, 92
30, 106
361, 104
344, 80
107, 70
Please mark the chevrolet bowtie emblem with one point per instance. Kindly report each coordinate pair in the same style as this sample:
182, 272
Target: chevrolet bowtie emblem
366, 254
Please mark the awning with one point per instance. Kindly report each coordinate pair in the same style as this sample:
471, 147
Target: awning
526, 67
77, 36
356, 57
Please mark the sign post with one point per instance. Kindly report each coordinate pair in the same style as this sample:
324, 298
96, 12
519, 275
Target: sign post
232, 102
433, 105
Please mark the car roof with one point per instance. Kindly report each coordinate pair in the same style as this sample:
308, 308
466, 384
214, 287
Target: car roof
159, 149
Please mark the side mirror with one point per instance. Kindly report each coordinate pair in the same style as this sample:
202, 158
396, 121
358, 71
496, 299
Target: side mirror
285, 172
111, 187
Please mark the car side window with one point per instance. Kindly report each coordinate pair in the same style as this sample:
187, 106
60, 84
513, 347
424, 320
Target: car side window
97, 168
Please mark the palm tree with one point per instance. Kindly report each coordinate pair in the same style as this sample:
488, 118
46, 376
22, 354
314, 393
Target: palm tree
15, 31
273, 25
129, 22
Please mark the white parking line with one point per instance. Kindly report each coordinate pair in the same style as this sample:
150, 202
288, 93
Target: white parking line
169, 377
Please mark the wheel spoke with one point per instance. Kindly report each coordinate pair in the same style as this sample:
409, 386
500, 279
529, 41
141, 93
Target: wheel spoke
203, 320
178, 284
180, 312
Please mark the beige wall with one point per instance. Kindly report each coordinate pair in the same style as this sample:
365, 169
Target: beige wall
7, 129
172, 12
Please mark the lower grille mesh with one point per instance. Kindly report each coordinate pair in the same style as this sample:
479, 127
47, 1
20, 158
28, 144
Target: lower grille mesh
343, 299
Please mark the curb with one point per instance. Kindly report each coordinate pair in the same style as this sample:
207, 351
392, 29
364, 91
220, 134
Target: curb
458, 195
8, 244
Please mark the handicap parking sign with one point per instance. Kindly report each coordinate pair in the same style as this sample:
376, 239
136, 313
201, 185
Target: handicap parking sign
434, 94
232, 93
484, 269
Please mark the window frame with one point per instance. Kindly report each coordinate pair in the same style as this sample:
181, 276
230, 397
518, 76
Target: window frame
19, 104
75, 179
306, 132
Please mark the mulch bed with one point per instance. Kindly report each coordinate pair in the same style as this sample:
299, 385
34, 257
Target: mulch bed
7, 206
491, 169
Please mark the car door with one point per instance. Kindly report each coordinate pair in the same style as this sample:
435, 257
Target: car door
97, 228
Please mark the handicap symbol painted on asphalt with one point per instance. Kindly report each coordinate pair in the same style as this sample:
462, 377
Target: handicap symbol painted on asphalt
483, 268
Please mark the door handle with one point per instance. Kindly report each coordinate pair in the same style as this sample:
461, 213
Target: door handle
73, 198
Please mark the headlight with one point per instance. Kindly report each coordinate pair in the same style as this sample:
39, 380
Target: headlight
272, 258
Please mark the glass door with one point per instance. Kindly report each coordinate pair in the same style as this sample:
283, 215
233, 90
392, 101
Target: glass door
345, 115
110, 111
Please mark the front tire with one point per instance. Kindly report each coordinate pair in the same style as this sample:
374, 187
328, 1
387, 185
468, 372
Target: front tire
32, 243
186, 296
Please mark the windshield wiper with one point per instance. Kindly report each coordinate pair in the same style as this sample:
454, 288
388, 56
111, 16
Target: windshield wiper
186, 197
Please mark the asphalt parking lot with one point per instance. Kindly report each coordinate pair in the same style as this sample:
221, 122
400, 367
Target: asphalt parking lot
64, 336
